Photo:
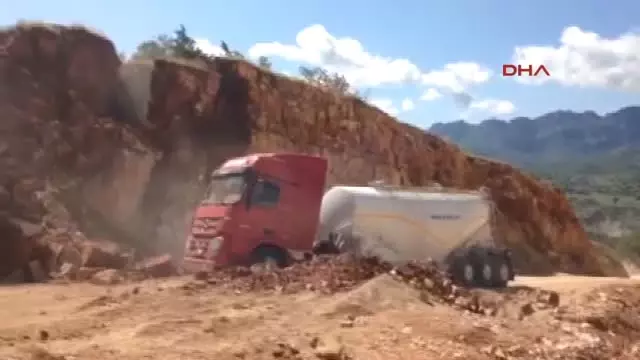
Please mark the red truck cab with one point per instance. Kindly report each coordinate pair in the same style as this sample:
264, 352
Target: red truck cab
260, 207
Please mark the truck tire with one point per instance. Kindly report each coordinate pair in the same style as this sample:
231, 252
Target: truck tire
501, 272
270, 256
464, 271
326, 248
486, 274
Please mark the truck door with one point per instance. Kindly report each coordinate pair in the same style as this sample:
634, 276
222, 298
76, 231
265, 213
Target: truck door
263, 212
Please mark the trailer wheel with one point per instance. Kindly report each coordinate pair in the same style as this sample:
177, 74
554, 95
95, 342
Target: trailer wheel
501, 272
270, 256
487, 273
464, 271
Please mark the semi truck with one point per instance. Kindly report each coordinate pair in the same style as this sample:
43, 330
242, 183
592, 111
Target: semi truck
275, 208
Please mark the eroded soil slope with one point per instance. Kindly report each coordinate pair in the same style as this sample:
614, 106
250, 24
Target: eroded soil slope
90, 147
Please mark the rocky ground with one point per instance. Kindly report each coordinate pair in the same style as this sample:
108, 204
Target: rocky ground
327, 309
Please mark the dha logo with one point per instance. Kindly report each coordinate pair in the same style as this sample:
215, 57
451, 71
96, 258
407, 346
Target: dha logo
519, 69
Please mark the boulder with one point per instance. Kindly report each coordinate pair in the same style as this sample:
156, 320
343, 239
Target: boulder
158, 266
104, 254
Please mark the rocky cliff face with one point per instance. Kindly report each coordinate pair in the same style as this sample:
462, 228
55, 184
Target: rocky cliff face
90, 146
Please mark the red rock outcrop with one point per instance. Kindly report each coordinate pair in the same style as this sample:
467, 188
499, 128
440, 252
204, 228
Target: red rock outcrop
59, 143
124, 152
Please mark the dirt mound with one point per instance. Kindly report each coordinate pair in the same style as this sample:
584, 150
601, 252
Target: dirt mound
380, 293
93, 149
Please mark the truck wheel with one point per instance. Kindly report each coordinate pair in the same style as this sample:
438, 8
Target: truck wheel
270, 256
487, 273
464, 272
501, 272
325, 248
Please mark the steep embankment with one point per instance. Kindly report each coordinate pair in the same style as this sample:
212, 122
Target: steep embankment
129, 149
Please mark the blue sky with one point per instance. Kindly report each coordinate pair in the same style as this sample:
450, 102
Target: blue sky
405, 46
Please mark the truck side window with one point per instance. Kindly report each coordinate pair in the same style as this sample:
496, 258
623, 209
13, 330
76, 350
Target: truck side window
265, 193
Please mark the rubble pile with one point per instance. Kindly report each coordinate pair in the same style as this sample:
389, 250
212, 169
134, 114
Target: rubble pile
107, 263
333, 274
325, 274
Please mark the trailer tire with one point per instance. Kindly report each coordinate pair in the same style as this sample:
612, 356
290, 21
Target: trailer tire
464, 271
486, 274
501, 272
270, 256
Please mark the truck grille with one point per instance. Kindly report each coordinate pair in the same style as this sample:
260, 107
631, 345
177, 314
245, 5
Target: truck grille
205, 225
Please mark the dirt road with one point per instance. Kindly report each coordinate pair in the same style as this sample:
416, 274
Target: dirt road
566, 283
181, 318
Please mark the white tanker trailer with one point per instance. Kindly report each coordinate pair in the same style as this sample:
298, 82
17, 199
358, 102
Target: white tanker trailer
454, 229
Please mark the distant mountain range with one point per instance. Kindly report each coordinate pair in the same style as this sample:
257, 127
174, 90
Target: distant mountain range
556, 137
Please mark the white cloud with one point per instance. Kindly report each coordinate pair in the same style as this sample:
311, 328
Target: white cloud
456, 77
498, 107
385, 105
431, 94
407, 105
587, 59
208, 47
316, 46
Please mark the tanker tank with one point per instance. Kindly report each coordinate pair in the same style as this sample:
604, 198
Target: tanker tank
398, 225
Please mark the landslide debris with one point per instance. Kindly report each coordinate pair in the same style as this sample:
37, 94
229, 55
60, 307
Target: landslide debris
343, 273
95, 149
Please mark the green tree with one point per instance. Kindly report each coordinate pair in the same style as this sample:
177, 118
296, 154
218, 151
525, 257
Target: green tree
160, 46
225, 48
230, 52
179, 44
321, 77
182, 45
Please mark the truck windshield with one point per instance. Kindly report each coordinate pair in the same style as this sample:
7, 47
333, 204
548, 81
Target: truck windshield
225, 189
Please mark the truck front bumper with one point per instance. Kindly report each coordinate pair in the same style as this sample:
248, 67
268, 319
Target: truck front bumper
195, 265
